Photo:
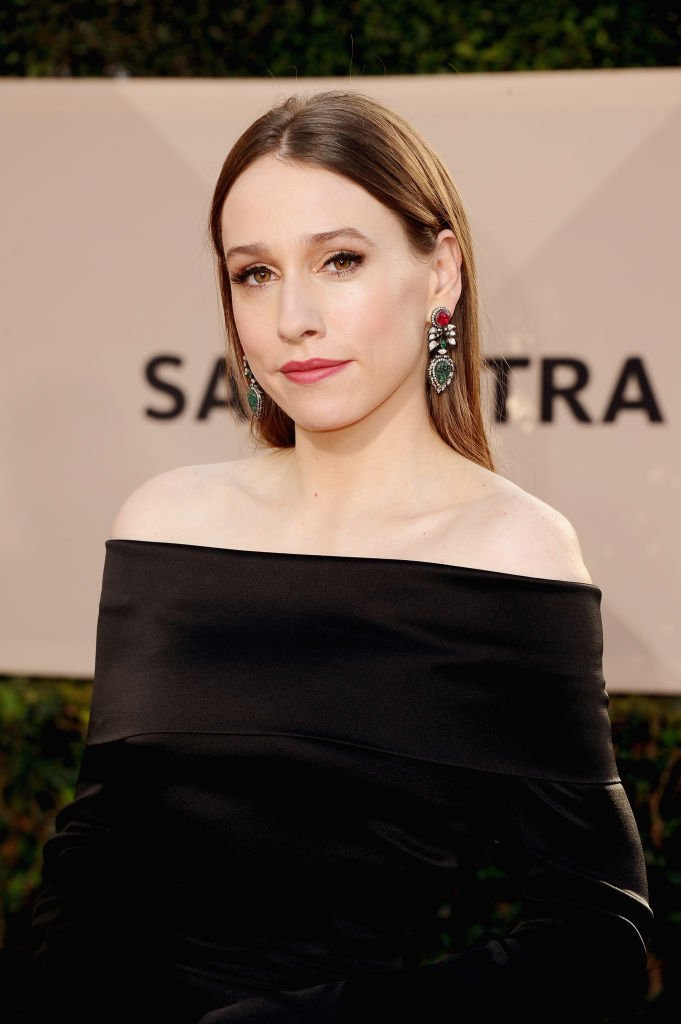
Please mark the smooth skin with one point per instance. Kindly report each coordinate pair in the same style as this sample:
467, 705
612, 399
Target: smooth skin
368, 476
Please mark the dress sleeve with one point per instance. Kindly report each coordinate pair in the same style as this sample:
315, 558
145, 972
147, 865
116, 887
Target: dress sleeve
83, 966
579, 951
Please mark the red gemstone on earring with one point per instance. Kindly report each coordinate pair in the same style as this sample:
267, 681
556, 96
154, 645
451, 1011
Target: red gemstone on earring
442, 318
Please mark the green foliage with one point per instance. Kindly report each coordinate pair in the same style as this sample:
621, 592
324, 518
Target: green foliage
647, 740
303, 38
43, 724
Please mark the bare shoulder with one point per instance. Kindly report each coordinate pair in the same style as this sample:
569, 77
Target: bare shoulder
212, 503
164, 505
529, 537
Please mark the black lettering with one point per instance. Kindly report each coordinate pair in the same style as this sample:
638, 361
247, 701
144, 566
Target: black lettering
211, 399
500, 367
633, 370
550, 390
152, 378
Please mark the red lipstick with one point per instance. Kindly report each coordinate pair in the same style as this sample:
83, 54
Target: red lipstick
312, 370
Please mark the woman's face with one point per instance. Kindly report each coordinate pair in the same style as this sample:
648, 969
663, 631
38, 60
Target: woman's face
365, 301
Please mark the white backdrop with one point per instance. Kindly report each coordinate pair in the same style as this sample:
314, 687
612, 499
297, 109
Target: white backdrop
571, 182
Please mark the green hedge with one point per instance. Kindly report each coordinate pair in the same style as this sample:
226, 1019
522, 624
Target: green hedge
43, 724
295, 38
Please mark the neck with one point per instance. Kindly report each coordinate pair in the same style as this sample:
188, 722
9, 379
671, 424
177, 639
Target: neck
390, 463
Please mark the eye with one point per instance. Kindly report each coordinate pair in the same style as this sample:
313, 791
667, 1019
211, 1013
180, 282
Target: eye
351, 259
243, 276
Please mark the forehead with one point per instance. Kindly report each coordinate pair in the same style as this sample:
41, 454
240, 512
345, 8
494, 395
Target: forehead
274, 196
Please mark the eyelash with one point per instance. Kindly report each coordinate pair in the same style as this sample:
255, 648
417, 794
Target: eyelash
357, 259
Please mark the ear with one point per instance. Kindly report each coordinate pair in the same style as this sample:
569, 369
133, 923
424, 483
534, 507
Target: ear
445, 274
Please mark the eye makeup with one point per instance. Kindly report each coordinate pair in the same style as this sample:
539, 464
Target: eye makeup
356, 258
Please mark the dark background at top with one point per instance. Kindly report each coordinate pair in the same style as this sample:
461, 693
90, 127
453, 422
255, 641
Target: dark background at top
294, 38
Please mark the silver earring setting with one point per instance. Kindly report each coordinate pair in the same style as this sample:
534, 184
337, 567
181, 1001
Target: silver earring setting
254, 395
441, 334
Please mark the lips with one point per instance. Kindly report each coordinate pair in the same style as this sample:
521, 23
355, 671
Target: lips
313, 371
311, 364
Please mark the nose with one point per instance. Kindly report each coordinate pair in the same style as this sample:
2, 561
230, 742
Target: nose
298, 313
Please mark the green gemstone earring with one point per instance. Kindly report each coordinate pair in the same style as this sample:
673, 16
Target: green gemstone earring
254, 395
441, 334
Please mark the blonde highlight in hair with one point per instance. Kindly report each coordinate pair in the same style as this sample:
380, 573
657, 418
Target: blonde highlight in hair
354, 135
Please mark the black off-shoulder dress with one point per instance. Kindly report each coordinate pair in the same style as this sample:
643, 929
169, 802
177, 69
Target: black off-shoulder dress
291, 762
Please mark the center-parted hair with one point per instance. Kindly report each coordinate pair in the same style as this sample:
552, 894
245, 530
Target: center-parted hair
354, 135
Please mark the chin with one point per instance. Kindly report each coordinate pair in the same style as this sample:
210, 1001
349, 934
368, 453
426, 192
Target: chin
321, 412
321, 427
326, 420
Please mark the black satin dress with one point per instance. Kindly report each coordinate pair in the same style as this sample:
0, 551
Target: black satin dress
291, 762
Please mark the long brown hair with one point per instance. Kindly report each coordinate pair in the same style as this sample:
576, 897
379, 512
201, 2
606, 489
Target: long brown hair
357, 136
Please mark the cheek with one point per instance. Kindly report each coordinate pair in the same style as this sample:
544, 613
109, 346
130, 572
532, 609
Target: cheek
363, 322
385, 317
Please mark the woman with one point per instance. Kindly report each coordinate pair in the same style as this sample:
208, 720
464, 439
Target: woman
329, 674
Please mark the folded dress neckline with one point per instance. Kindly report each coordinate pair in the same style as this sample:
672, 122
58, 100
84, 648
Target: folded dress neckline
492, 574
417, 659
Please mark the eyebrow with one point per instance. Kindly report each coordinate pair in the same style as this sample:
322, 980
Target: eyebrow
256, 248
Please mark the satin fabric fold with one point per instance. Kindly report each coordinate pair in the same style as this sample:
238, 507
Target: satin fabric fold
450, 664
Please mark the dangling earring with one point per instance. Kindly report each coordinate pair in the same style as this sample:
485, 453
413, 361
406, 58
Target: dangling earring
441, 334
254, 396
